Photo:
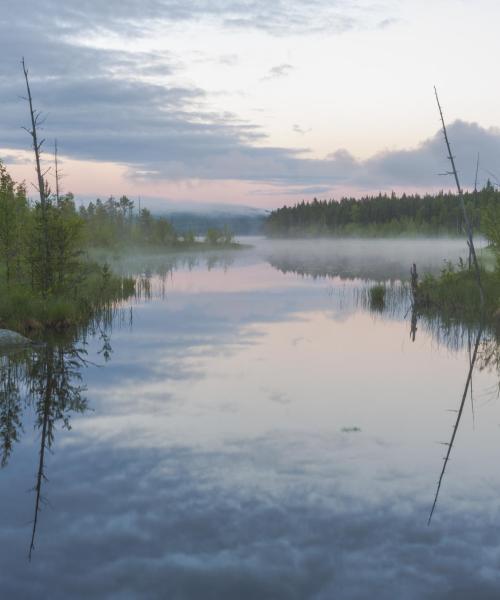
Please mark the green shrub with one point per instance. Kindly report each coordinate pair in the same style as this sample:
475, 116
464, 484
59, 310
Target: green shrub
377, 297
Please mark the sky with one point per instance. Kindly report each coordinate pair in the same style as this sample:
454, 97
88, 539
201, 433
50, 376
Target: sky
252, 103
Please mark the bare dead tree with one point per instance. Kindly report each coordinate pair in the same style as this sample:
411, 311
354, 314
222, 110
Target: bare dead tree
477, 271
43, 188
468, 225
35, 117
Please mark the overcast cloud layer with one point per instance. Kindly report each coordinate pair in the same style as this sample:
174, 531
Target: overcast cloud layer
121, 106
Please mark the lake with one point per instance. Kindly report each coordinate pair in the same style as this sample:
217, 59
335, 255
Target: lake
247, 427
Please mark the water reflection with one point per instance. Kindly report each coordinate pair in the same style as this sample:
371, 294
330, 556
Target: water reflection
257, 434
154, 272
468, 386
379, 259
55, 391
46, 381
10, 406
397, 299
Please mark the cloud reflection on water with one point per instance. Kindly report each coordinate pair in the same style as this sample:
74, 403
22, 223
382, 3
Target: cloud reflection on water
273, 523
193, 478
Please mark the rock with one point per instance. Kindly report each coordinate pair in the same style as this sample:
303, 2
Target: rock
10, 338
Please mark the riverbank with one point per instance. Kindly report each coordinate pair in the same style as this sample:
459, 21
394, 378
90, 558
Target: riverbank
31, 313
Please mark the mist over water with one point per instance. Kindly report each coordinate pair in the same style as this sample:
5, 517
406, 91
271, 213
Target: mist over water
366, 258
258, 432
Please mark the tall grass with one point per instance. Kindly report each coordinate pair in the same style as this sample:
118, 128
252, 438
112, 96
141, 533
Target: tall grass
22, 309
454, 295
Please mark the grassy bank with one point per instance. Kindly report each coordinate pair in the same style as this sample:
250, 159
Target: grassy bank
30, 312
454, 295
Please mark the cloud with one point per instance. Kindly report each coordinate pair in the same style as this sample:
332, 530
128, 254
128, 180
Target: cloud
14, 159
413, 168
168, 134
278, 72
122, 106
301, 130
229, 60
425, 164
385, 23
277, 18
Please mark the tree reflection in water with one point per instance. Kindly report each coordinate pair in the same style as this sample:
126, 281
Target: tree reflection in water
55, 388
11, 405
468, 385
479, 337
483, 349
48, 381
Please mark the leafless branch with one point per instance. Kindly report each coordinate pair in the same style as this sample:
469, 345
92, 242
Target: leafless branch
468, 225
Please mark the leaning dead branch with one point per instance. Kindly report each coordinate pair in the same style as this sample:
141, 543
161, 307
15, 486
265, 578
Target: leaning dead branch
35, 117
477, 271
43, 188
467, 222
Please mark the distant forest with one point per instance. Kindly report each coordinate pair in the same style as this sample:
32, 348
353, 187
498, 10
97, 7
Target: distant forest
116, 223
384, 215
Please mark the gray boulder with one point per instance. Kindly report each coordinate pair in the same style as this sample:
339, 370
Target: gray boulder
9, 339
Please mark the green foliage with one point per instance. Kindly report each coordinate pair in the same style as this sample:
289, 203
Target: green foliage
115, 223
47, 282
219, 237
108, 223
13, 217
54, 247
377, 297
188, 238
491, 228
40, 246
23, 310
383, 215
454, 294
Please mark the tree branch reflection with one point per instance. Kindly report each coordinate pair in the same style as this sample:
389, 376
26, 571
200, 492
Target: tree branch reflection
48, 380
468, 384
55, 387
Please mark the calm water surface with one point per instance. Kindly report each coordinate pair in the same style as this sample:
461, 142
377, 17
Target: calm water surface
250, 429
